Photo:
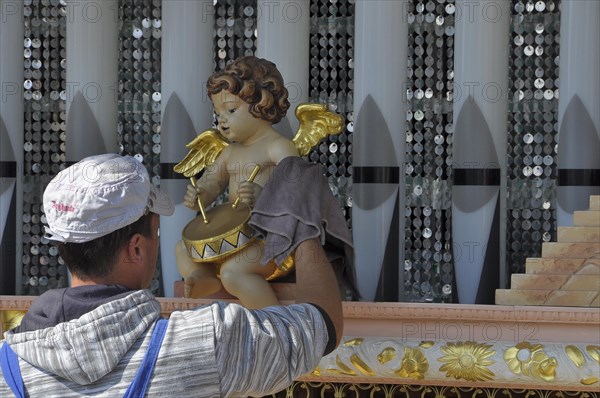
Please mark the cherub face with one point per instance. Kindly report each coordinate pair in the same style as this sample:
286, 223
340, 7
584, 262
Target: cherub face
236, 123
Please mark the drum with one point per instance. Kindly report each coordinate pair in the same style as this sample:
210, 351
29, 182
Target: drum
226, 233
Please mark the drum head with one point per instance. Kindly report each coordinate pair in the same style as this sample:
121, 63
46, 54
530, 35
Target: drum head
227, 232
221, 220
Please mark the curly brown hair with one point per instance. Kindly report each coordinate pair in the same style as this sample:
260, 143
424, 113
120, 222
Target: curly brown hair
258, 83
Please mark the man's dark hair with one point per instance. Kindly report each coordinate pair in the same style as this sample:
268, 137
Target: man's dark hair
97, 258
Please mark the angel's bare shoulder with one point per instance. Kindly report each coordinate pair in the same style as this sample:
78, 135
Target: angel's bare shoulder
281, 147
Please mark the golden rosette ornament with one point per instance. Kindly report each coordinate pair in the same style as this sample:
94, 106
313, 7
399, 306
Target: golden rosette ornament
531, 360
467, 360
414, 364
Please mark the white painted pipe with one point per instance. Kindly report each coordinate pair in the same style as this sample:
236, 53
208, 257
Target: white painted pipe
283, 36
187, 50
480, 108
381, 49
11, 143
92, 78
578, 107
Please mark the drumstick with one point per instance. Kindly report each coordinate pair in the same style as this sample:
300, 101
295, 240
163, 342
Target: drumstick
193, 181
250, 179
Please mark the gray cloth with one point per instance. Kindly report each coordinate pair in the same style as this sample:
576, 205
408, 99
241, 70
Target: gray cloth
212, 351
296, 204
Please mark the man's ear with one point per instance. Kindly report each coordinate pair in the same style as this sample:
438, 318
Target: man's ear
134, 250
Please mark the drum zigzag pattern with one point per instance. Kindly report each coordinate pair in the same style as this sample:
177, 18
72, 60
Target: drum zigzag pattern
213, 250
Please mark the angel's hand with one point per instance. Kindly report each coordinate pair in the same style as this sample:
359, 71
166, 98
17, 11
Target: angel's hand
190, 199
248, 192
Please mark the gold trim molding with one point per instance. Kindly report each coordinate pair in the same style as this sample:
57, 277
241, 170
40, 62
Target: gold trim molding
447, 345
324, 389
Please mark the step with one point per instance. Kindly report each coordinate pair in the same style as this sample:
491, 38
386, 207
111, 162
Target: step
571, 250
562, 266
587, 218
553, 298
595, 202
555, 282
578, 234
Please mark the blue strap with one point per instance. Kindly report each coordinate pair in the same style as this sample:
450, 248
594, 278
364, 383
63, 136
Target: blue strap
140, 383
9, 362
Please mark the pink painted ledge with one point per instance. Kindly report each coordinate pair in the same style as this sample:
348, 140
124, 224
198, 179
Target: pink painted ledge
432, 335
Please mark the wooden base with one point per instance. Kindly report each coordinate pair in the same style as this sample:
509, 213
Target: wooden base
283, 291
435, 334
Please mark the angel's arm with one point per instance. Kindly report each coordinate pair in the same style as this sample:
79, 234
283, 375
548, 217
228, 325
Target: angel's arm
277, 150
207, 152
210, 185
215, 178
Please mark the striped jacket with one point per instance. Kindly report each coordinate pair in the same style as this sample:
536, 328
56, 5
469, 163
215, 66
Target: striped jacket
212, 351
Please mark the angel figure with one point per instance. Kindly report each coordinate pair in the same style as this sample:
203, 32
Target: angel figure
248, 98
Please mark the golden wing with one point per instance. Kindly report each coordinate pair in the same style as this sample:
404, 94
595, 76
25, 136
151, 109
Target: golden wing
203, 152
316, 123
